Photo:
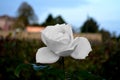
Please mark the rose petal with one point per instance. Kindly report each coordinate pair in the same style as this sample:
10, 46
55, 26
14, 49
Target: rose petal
68, 29
82, 49
55, 46
61, 33
44, 55
65, 53
55, 40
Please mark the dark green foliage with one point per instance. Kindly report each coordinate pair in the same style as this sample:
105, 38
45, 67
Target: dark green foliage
14, 52
83, 75
53, 21
111, 68
25, 16
105, 35
49, 20
90, 26
59, 20
17, 62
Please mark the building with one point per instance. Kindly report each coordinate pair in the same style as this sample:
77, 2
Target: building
6, 22
34, 29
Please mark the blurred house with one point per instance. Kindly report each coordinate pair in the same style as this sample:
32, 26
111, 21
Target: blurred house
6, 22
34, 29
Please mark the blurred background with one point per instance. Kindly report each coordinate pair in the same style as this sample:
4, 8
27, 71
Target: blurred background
21, 22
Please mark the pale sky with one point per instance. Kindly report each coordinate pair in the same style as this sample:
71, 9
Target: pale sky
74, 12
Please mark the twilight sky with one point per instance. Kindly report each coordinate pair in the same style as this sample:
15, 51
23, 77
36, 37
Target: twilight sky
74, 12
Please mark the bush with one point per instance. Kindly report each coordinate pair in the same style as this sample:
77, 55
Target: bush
18, 55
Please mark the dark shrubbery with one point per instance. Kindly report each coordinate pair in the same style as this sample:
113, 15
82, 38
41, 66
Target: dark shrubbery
102, 62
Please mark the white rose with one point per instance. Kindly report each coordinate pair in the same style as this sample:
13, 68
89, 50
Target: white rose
60, 42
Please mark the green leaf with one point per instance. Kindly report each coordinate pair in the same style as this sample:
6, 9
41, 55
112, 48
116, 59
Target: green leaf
19, 68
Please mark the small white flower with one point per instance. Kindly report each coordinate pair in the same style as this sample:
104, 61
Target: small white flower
60, 42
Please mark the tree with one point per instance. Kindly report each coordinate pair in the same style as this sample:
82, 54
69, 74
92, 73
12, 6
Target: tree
105, 35
52, 21
90, 26
59, 20
26, 15
49, 20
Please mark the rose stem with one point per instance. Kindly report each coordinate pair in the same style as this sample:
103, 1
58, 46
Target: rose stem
63, 66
